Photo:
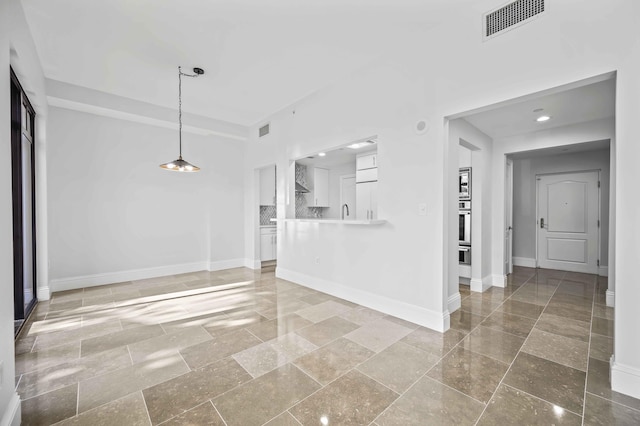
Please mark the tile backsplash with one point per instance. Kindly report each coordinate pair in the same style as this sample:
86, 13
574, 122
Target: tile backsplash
266, 214
302, 210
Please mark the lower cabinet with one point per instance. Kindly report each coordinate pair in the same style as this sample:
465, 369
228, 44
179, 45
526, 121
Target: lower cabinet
366, 201
268, 244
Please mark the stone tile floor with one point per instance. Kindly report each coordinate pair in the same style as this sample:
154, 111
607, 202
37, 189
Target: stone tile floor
241, 347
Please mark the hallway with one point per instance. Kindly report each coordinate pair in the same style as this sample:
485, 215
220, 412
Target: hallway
241, 347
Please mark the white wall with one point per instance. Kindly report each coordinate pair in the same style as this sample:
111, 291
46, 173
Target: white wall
448, 72
524, 199
114, 213
18, 50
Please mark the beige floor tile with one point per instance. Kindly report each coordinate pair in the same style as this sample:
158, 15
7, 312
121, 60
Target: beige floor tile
333, 360
522, 309
270, 395
261, 359
465, 321
493, 343
24, 345
323, 311
362, 316
271, 329
598, 384
116, 384
180, 394
119, 338
562, 350
203, 415
54, 325
353, 399
563, 326
473, 374
129, 410
434, 342
46, 358
512, 324
327, 331
568, 310
555, 383
601, 347
378, 334
68, 373
429, 402
478, 305
50, 407
511, 406
157, 347
204, 353
50, 340
602, 311
284, 419
292, 345
236, 319
600, 411
602, 326
398, 366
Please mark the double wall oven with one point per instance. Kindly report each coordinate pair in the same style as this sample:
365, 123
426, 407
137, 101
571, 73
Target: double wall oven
464, 217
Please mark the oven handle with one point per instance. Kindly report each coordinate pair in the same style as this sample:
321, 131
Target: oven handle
463, 248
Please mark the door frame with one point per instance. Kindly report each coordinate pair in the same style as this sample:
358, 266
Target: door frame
508, 215
18, 100
537, 212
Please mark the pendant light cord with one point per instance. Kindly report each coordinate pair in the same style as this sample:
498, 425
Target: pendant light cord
180, 74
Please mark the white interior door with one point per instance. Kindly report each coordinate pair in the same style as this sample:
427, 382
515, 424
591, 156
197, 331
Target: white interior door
348, 197
567, 222
508, 233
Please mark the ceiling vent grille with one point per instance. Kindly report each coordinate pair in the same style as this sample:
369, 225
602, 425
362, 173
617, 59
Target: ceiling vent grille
264, 130
511, 16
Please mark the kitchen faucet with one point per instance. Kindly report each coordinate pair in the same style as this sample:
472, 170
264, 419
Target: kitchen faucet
343, 207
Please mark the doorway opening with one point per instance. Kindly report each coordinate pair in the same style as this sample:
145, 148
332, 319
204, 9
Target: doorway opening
23, 203
268, 243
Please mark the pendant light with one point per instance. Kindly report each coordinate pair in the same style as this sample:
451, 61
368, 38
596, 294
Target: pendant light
181, 165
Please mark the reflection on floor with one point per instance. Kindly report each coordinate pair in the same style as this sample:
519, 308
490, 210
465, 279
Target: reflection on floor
239, 347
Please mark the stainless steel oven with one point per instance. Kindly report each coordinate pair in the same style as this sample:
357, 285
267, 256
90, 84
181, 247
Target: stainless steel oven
464, 183
464, 223
464, 255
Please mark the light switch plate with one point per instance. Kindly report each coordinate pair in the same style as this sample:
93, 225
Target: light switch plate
422, 209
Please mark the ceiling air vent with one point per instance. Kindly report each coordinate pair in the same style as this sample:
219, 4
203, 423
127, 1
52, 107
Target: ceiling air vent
263, 131
510, 16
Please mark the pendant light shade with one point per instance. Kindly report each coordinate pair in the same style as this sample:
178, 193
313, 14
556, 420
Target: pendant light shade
181, 165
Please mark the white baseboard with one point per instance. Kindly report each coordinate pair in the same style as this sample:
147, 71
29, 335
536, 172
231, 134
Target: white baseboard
603, 271
481, 285
438, 321
72, 283
43, 293
625, 379
524, 261
454, 302
610, 299
253, 263
219, 265
13, 414
497, 280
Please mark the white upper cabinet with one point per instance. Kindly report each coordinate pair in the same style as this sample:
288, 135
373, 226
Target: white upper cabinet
367, 161
268, 186
320, 193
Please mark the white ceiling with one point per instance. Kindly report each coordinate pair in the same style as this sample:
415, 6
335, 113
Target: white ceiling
586, 103
259, 55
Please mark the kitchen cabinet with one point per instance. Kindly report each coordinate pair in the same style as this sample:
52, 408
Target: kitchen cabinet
367, 201
268, 186
319, 196
367, 161
268, 243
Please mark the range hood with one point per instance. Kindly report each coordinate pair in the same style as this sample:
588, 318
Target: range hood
300, 188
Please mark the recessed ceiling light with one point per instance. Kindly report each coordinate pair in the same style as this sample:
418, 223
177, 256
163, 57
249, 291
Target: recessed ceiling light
322, 154
543, 118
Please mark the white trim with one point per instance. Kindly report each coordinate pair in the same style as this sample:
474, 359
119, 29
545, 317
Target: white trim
610, 298
481, 285
625, 379
72, 283
454, 302
43, 293
603, 271
136, 118
524, 261
13, 415
219, 265
253, 263
497, 280
438, 321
